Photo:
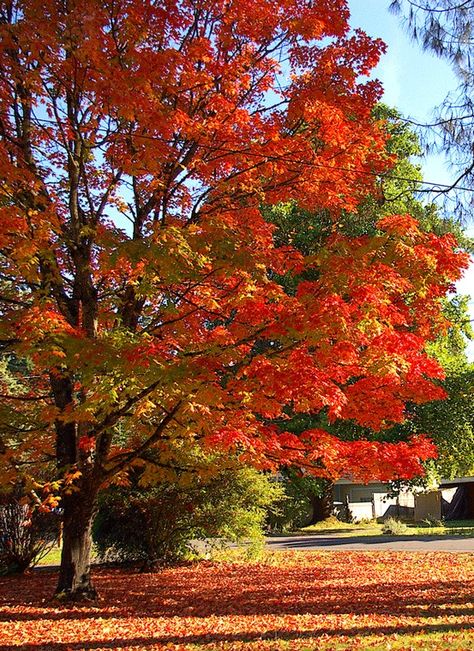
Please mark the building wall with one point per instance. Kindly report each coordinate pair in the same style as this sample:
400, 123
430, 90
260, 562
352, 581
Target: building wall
371, 500
428, 506
358, 492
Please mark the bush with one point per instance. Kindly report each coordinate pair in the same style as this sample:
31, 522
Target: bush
293, 511
296, 507
157, 524
26, 535
393, 527
431, 521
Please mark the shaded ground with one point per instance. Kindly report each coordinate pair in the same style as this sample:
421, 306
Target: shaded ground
297, 601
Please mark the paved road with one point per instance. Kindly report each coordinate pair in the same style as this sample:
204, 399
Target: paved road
374, 543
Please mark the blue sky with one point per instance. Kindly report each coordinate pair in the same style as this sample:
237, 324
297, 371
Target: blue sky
414, 82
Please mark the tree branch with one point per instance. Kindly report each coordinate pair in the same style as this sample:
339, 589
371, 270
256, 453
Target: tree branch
131, 456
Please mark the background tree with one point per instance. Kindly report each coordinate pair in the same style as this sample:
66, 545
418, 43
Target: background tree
450, 422
446, 29
138, 142
311, 499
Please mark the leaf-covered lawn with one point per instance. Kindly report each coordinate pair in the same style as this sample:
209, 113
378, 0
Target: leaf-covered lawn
297, 601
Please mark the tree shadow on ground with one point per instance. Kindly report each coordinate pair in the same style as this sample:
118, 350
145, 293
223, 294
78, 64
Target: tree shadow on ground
356, 588
317, 534
220, 638
233, 590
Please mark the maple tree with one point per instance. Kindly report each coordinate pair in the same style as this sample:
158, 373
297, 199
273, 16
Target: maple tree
139, 278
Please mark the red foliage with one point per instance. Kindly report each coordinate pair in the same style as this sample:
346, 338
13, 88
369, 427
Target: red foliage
138, 143
323, 600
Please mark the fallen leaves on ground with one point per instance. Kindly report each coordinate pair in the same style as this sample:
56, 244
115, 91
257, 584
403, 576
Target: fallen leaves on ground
293, 601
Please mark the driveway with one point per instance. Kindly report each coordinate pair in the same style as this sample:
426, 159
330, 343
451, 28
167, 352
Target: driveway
374, 543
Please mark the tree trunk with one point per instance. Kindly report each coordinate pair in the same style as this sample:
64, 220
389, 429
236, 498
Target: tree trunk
74, 575
322, 505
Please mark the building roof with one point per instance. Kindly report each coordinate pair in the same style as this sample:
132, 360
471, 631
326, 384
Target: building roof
456, 481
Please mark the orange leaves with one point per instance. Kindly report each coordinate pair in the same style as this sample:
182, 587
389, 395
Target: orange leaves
295, 600
140, 141
320, 453
365, 460
403, 225
44, 320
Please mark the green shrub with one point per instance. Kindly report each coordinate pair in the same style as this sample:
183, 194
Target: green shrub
295, 508
293, 511
157, 524
431, 521
393, 527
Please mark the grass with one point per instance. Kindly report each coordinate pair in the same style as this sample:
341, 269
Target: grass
373, 528
450, 528
333, 526
53, 557
288, 601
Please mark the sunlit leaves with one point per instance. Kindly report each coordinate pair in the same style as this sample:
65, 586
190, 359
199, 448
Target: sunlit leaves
300, 601
139, 144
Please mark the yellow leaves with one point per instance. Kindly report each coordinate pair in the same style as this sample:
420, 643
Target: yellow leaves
46, 495
73, 413
71, 477
149, 475
195, 408
145, 408
51, 502
70, 481
87, 231
210, 396
170, 255
388, 366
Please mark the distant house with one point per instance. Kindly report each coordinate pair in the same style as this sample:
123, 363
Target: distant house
453, 500
457, 498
